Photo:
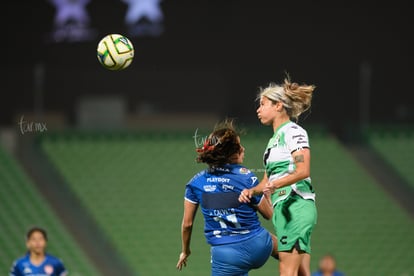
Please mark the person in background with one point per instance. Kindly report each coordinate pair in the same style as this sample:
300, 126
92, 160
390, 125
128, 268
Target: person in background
327, 267
37, 262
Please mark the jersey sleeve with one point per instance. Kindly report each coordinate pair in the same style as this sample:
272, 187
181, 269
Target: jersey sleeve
297, 138
191, 194
14, 270
60, 269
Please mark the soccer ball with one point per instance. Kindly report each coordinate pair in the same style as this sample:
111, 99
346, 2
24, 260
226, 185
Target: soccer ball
115, 52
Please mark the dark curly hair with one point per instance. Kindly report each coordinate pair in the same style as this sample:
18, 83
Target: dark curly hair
220, 146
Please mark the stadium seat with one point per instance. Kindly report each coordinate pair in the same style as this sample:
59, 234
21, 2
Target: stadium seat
395, 145
133, 185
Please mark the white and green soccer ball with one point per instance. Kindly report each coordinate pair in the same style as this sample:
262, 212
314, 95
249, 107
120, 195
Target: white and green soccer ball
115, 52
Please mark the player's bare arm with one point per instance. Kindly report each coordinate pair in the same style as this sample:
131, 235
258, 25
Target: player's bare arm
302, 163
190, 210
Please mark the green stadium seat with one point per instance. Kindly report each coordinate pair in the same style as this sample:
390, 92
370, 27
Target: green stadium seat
396, 146
22, 206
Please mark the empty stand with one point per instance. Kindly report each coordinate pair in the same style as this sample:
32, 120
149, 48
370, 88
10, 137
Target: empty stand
396, 146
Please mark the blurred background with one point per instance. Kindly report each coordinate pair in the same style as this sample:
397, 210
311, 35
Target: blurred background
100, 158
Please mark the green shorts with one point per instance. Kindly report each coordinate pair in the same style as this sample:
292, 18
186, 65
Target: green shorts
294, 219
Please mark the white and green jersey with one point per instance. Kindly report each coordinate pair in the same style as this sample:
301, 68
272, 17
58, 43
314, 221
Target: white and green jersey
278, 160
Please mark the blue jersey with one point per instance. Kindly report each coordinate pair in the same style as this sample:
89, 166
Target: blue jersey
217, 190
51, 266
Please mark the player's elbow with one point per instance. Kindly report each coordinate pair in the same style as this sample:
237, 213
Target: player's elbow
303, 173
187, 225
306, 174
267, 215
265, 208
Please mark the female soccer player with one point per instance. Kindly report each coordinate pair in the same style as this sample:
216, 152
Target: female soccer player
287, 176
36, 261
238, 241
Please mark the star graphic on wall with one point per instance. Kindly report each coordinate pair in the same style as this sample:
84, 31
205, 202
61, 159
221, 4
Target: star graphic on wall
70, 11
139, 9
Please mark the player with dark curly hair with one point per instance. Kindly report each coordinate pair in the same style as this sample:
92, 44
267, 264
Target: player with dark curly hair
238, 241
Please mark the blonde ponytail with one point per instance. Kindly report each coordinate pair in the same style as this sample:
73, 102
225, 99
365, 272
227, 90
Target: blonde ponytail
300, 97
295, 98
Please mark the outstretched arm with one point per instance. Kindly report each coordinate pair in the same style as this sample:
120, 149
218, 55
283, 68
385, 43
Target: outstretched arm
190, 210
